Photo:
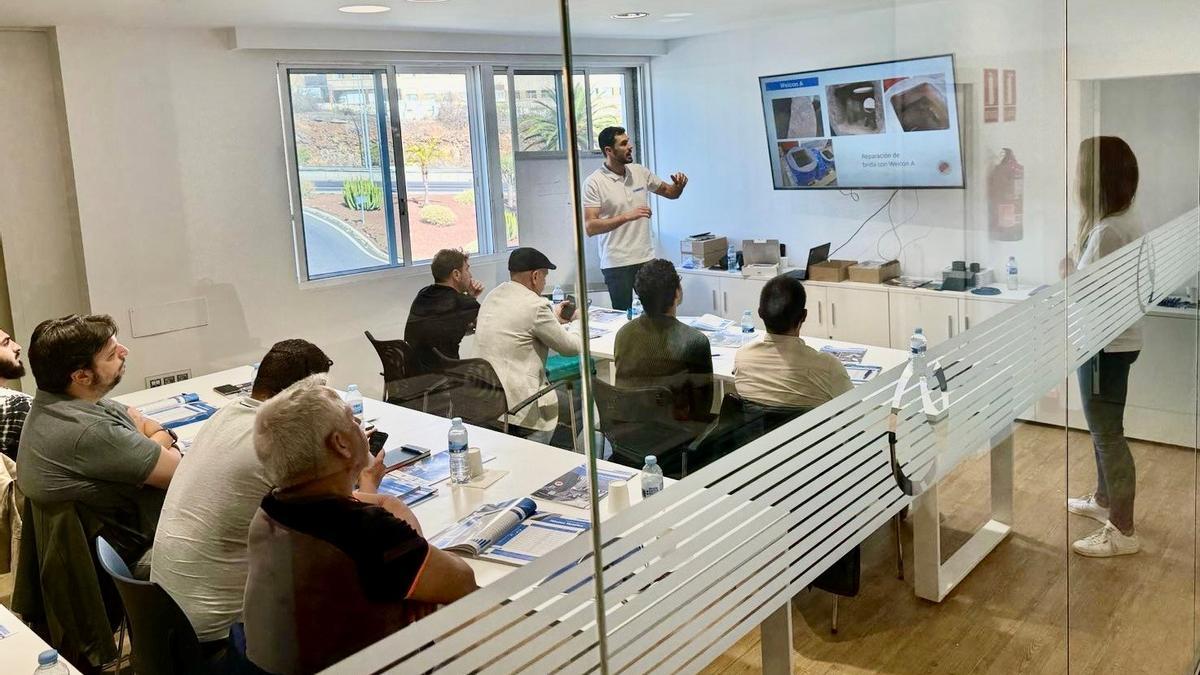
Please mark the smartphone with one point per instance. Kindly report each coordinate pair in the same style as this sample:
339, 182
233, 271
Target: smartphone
405, 455
230, 389
376, 439
568, 310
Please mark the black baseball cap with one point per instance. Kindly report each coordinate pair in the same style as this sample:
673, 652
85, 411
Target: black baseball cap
527, 259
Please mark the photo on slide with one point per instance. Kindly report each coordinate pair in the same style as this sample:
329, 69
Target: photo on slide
808, 164
854, 108
916, 103
798, 117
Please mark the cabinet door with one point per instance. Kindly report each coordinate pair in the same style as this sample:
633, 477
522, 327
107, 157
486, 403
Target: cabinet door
700, 294
859, 315
975, 312
738, 295
817, 324
938, 316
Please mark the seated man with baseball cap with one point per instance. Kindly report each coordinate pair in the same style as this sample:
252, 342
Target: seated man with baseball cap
517, 328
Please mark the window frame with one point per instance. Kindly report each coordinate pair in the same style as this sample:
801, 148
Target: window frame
485, 140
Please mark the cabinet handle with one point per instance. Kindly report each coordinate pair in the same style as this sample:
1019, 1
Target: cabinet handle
833, 313
715, 300
967, 322
950, 325
725, 295
820, 319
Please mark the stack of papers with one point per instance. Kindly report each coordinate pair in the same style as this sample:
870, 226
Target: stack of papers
178, 411
711, 322
730, 339
411, 491
509, 532
571, 488
435, 468
846, 354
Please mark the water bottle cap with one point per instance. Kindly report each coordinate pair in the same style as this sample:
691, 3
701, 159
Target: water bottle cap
353, 387
651, 460
48, 657
919, 331
456, 422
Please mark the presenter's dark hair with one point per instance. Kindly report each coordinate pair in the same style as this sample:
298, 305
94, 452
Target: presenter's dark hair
781, 304
608, 137
445, 262
288, 362
656, 283
59, 347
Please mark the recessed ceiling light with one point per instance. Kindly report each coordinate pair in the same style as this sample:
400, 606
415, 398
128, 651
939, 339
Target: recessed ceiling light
364, 9
679, 15
631, 15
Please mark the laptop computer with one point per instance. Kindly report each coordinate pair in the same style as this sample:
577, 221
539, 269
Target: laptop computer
816, 254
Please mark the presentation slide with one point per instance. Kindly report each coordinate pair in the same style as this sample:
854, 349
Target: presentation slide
883, 125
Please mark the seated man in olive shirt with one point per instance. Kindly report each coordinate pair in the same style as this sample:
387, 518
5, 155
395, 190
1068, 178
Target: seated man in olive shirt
332, 570
78, 446
444, 312
658, 349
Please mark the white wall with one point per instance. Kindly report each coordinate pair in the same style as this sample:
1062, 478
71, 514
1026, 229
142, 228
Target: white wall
38, 230
709, 123
178, 152
544, 211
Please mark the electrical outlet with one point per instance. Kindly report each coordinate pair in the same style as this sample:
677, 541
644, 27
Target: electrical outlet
152, 382
183, 375
168, 379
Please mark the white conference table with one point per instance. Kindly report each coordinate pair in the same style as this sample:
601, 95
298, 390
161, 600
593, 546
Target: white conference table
529, 465
20, 649
604, 347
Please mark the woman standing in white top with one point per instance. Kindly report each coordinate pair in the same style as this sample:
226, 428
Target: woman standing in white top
1108, 181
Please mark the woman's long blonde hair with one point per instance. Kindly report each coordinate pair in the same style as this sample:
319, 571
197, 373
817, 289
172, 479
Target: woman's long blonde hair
1108, 181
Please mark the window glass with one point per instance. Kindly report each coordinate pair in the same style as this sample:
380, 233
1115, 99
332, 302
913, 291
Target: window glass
538, 122
508, 168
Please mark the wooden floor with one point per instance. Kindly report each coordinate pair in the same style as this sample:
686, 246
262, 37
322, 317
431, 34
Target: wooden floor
1032, 606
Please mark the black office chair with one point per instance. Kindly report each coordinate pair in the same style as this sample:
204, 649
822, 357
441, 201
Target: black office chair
476, 394
404, 381
739, 422
163, 639
639, 421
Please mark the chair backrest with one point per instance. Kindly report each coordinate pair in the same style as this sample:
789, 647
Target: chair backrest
399, 359
739, 422
163, 639
475, 390
640, 421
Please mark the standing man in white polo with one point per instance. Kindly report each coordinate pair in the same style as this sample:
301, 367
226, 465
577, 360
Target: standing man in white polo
616, 208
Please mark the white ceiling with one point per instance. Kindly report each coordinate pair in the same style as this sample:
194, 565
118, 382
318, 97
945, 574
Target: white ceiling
519, 17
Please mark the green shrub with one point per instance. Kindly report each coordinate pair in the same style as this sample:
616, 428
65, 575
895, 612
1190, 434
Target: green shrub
466, 197
351, 189
510, 225
438, 215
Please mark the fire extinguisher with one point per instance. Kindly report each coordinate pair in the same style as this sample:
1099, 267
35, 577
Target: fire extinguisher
1006, 199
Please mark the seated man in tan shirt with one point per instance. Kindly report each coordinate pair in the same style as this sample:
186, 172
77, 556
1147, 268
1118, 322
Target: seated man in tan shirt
778, 369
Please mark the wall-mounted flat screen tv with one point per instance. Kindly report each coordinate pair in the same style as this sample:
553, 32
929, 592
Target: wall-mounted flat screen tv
880, 125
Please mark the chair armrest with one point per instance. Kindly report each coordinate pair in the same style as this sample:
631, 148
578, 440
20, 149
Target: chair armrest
540, 393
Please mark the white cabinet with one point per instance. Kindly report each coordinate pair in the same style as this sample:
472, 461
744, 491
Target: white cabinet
739, 295
937, 315
817, 304
701, 294
858, 315
975, 312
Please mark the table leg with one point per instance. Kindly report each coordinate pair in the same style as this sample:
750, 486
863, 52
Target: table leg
776, 632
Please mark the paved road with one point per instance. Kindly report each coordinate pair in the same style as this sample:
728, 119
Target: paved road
335, 186
330, 250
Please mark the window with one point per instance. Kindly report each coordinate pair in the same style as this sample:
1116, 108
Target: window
439, 170
390, 163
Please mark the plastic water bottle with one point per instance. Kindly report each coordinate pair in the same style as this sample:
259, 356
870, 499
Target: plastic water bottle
456, 442
355, 400
559, 295
637, 307
1011, 267
917, 344
48, 664
254, 371
652, 477
731, 259
747, 322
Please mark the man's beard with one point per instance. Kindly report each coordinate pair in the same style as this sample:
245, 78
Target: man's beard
12, 370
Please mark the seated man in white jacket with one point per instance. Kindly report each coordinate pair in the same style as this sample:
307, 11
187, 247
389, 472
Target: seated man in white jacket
515, 330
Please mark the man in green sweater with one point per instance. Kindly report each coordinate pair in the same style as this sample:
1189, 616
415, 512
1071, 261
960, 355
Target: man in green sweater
658, 349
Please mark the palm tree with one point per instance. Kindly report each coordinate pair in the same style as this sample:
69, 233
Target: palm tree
424, 153
538, 126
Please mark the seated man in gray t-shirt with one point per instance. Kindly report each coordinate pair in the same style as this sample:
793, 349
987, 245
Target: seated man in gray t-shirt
200, 554
78, 446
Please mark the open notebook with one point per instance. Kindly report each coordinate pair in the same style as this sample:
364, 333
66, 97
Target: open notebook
510, 532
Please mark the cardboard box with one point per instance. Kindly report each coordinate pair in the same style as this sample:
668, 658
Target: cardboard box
875, 274
830, 270
706, 252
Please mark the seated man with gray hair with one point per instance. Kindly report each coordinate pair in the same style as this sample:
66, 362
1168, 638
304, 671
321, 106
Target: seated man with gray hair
332, 569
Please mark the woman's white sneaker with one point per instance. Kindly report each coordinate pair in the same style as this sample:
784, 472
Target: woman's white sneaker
1107, 542
1087, 506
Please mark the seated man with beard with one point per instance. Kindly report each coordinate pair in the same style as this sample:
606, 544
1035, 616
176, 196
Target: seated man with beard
78, 446
14, 405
